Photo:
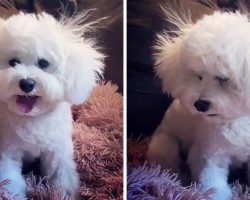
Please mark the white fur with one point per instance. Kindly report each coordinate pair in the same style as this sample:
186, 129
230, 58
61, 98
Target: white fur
217, 45
46, 130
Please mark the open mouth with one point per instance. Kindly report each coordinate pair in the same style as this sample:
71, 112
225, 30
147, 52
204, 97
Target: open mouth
25, 104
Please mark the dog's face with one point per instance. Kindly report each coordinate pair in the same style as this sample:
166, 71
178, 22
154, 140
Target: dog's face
207, 67
44, 61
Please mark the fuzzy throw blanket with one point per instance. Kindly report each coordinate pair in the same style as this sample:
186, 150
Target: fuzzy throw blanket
98, 151
147, 182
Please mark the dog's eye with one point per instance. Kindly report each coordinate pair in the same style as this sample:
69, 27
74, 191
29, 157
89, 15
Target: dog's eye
222, 80
14, 61
200, 77
43, 63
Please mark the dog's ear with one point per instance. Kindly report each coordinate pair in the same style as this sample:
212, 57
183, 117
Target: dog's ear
167, 50
167, 61
84, 62
84, 66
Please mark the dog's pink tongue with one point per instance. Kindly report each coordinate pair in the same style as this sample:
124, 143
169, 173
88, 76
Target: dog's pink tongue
26, 104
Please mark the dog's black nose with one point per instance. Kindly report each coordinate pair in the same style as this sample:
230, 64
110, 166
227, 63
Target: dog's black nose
202, 105
27, 85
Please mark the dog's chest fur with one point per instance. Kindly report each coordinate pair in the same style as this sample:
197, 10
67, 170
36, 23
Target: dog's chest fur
230, 139
31, 135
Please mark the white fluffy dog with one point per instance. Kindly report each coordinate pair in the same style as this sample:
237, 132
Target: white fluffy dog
45, 67
206, 68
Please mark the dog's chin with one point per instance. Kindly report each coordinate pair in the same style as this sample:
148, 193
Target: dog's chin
24, 105
216, 118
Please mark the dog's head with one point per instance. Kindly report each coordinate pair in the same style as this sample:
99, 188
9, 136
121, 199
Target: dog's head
44, 61
207, 66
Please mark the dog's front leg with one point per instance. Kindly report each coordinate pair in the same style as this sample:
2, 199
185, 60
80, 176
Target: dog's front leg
210, 172
213, 176
11, 169
164, 150
59, 167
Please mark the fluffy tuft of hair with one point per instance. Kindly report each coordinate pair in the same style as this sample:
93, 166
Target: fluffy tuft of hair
166, 49
80, 23
80, 27
193, 62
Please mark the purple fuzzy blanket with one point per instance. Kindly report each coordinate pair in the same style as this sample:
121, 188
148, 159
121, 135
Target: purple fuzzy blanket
147, 182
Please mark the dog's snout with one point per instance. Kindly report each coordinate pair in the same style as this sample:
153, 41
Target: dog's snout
202, 105
27, 85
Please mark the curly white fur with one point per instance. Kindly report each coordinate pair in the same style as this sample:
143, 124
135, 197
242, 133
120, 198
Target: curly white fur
209, 61
43, 128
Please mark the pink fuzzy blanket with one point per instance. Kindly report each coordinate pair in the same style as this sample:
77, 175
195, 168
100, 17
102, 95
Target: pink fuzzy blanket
146, 182
98, 150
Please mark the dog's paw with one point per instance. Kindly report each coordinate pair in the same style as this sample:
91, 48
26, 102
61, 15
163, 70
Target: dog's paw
67, 181
17, 189
225, 194
221, 192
